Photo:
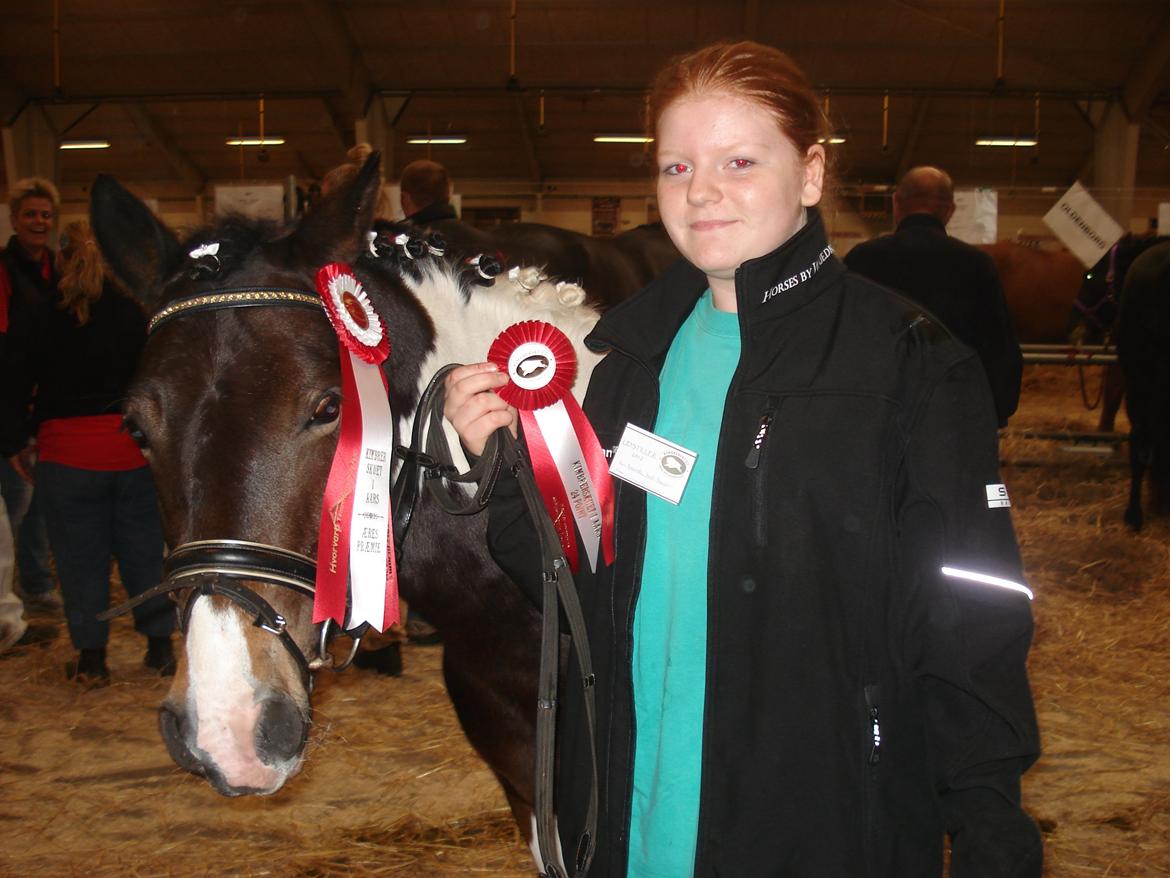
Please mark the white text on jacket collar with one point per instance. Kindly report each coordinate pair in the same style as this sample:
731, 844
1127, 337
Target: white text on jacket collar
800, 277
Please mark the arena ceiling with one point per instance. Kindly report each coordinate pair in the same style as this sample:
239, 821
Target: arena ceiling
530, 82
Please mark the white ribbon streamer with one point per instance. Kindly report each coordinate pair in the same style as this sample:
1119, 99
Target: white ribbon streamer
566, 452
369, 527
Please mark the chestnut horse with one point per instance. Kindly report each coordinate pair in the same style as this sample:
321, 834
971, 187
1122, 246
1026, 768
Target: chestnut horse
237, 410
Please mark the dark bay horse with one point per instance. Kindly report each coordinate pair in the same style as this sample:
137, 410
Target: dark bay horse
1094, 315
1143, 348
237, 410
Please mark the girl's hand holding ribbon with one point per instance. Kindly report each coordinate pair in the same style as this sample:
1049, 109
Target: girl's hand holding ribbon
472, 407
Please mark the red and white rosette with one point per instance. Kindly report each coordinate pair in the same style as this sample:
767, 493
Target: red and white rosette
355, 547
567, 460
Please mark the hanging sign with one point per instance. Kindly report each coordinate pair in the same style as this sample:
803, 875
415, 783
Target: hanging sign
567, 460
1083, 225
355, 546
976, 216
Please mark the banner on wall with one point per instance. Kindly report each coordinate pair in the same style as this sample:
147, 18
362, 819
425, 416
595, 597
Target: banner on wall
260, 201
606, 217
1083, 225
976, 216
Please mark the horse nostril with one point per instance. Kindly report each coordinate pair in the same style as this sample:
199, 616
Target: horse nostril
282, 730
173, 728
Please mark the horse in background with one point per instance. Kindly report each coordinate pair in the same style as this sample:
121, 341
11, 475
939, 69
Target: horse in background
609, 269
1143, 348
1094, 316
1039, 286
237, 410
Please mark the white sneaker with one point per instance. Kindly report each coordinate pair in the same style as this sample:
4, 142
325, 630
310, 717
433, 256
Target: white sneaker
11, 632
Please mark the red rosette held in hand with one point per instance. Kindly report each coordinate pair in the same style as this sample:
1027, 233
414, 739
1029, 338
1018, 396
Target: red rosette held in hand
539, 360
353, 317
567, 461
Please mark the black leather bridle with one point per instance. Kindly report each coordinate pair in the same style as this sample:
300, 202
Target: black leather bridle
221, 567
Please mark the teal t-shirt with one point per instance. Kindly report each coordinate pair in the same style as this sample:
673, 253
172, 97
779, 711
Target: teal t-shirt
670, 621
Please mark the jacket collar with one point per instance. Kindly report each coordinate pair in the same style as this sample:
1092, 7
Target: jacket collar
922, 221
770, 286
42, 271
437, 211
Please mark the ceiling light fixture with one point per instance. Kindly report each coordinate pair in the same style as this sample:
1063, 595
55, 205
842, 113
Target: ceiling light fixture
622, 138
1006, 141
255, 141
84, 144
437, 140
833, 139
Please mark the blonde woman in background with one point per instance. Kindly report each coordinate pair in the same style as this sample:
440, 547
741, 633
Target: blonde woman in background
99, 498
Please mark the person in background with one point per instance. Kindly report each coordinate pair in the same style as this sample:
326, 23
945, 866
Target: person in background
28, 280
99, 498
954, 281
425, 192
355, 157
814, 665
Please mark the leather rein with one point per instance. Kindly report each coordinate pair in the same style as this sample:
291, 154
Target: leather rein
220, 567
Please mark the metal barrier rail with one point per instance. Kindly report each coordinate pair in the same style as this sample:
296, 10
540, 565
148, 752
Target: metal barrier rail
1076, 437
1067, 355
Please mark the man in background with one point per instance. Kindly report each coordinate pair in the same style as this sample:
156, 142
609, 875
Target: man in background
426, 193
955, 282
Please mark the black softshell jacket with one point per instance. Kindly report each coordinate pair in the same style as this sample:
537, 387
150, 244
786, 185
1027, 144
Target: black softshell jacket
860, 703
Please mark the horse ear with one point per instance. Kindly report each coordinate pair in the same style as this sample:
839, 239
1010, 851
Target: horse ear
334, 230
139, 249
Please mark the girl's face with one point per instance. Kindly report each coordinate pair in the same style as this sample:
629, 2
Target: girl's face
33, 223
731, 186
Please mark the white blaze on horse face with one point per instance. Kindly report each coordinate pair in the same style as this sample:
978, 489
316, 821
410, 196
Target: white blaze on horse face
222, 695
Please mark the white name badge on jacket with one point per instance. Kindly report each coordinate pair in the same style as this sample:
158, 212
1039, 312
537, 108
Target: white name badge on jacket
652, 463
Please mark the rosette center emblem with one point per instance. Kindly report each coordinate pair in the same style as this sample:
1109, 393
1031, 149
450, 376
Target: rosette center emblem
532, 365
353, 307
540, 362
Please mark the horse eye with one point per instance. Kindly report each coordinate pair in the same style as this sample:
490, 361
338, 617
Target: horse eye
328, 409
135, 432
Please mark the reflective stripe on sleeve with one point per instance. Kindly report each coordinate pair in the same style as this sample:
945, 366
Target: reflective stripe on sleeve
985, 579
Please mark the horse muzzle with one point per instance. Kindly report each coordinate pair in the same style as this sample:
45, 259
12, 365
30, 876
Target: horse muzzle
240, 760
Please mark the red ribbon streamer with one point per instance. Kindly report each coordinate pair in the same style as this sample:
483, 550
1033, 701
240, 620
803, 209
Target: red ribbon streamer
337, 510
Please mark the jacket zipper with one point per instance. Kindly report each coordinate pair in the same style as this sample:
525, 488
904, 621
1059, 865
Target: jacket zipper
761, 438
756, 460
874, 728
622, 829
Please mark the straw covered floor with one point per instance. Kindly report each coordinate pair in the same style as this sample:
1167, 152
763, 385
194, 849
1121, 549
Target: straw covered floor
392, 788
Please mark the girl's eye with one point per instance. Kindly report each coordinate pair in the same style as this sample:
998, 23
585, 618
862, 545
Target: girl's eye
675, 169
741, 164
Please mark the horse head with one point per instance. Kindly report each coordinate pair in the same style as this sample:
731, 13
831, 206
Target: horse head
1095, 309
237, 410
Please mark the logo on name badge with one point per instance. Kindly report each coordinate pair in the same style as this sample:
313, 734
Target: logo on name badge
997, 496
673, 465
